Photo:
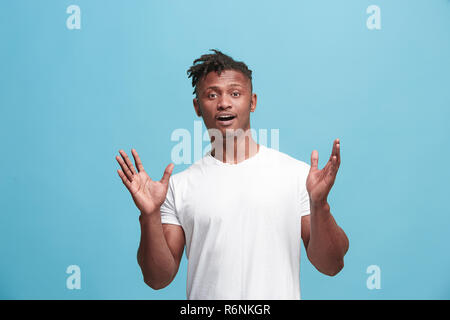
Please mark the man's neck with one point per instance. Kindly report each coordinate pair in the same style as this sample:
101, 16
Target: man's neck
243, 148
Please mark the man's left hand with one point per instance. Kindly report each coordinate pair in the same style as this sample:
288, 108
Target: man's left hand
319, 182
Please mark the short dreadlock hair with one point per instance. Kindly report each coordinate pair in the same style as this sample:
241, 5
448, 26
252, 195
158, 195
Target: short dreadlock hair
217, 62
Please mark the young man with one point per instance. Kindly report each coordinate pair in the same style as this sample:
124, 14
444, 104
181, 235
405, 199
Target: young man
242, 209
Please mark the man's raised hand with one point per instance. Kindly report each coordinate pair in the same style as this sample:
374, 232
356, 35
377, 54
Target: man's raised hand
148, 195
319, 182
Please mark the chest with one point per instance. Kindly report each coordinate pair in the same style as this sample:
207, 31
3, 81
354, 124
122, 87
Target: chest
247, 197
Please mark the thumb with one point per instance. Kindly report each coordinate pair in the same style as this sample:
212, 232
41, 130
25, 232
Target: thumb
167, 173
314, 159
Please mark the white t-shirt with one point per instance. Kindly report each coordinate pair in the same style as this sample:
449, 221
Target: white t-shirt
242, 224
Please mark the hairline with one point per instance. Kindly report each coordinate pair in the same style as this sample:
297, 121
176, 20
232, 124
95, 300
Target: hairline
234, 69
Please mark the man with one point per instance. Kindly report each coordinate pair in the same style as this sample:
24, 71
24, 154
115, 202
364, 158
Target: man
242, 209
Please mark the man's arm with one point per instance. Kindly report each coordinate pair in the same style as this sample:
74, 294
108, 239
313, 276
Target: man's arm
161, 246
325, 242
160, 250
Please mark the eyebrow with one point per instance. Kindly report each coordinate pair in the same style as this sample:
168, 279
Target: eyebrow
215, 87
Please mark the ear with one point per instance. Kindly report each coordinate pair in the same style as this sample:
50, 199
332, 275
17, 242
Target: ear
198, 111
253, 102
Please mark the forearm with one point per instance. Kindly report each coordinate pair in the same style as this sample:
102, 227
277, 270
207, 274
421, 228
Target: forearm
154, 256
328, 242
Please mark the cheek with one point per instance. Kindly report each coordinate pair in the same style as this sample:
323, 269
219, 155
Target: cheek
245, 113
205, 110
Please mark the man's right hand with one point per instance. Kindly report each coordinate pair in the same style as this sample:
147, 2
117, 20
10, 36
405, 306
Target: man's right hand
148, 195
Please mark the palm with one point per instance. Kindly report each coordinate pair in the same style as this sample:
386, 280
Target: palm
148, 195
320, 182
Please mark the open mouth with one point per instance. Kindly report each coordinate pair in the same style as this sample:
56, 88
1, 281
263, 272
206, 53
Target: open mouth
226, 118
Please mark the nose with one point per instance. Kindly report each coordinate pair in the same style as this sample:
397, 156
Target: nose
224, 102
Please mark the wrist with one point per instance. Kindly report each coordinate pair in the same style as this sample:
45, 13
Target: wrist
319, 205
149, 215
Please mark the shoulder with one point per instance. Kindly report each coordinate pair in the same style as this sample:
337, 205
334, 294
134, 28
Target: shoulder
287, 161
193, 172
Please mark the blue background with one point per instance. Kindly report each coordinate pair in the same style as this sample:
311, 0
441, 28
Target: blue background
70, 99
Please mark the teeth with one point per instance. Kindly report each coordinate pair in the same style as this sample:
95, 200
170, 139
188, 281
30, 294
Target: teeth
225, 117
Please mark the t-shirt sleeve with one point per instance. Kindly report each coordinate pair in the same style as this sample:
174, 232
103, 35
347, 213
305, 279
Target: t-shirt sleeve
304, 196
168, 210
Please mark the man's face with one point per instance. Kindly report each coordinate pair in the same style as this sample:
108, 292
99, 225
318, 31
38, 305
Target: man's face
225, 101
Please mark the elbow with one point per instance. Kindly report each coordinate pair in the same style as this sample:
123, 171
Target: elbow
155, 285
329, 267
335, 270
156, 282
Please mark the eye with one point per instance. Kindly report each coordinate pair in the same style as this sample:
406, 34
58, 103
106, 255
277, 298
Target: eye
236, 94
211, 95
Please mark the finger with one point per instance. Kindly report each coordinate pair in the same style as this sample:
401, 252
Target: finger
334, 165
334, 168
314, 159
167, 173
137, 160
125, 168
338, 152
125, 180
128, 161
333, 150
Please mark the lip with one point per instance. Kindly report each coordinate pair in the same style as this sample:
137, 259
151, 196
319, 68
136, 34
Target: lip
225, 123
225, 114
